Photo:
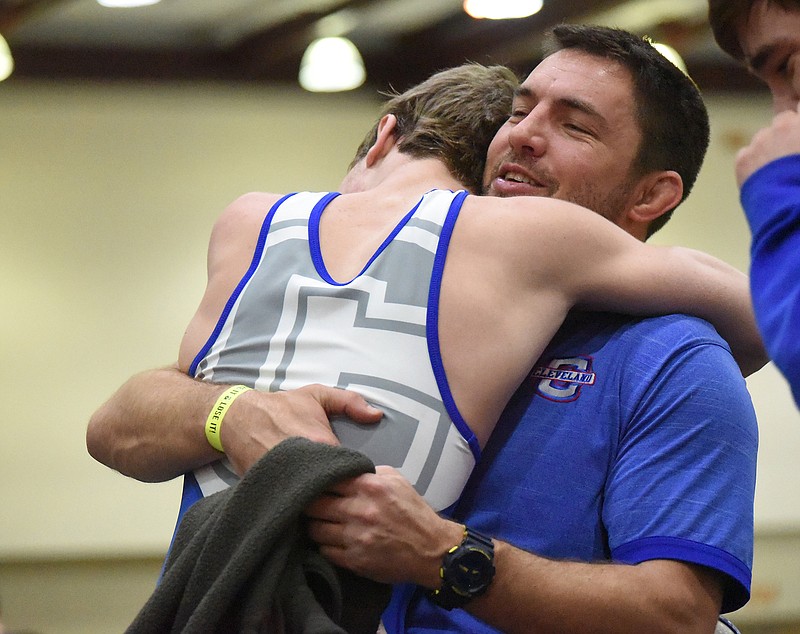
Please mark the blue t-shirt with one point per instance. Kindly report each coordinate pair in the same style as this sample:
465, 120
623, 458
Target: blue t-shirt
771, 200
629, 441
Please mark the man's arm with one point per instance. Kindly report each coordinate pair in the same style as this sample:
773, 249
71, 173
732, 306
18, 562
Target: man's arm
768, 171
379, 527
664, 471
153, 427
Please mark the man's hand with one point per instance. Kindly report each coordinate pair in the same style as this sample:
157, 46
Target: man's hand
257, 421
782, 138
379, 527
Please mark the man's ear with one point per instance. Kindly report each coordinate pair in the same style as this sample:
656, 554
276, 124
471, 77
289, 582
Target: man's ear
657, 193
384, 141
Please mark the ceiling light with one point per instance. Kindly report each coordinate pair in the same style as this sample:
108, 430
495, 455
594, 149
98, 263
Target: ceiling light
331, 64
126, 4
639, 15
502, 9
6, 61
672, 55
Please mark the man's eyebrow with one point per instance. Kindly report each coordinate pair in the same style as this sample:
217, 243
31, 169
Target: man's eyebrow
572, 103
757, 62
584, 106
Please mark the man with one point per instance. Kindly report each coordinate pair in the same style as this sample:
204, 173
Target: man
765, 35
603, 454
594, 132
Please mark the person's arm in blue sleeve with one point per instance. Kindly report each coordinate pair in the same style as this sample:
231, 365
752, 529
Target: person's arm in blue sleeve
768, 172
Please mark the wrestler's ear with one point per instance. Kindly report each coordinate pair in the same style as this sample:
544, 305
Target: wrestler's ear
656, 194
384, 141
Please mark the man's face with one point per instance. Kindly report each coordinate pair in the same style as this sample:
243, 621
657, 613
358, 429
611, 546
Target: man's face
573, 135
770, 39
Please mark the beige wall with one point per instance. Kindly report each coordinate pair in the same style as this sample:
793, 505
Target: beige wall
108, 197
108, 194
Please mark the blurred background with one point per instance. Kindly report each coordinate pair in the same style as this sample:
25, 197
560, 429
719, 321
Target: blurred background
125, 132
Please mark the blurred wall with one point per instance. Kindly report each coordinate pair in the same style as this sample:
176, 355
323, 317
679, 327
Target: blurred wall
108, 194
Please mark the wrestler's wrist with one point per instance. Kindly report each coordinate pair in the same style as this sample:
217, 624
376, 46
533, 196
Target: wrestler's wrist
231, 431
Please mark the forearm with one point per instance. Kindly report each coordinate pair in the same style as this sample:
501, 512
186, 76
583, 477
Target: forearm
152, 428
720, 294
530, 593
635, 278
379, 527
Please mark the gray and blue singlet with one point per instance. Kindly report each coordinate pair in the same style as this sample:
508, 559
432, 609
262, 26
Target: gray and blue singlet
289, 324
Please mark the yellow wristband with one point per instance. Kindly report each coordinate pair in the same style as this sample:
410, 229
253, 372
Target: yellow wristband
214, 420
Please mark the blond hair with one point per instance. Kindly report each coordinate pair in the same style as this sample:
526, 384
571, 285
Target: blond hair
452, 116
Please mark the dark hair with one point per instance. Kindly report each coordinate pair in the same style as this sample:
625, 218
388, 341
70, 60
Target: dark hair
726, 16
453, 116
671, 114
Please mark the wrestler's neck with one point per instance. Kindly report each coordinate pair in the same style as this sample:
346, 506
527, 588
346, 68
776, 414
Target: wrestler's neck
399, 172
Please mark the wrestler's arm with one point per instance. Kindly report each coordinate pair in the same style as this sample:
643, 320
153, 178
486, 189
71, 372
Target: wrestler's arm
152, 428
607, 269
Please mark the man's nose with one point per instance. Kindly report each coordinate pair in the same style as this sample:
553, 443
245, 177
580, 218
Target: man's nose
529, 135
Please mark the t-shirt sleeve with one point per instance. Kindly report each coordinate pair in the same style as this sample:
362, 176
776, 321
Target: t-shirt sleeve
683, 481
771, 200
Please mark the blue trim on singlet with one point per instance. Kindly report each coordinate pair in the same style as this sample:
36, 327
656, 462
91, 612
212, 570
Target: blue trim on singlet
262, 239
433, 325
191, 494
316, 249
313, 237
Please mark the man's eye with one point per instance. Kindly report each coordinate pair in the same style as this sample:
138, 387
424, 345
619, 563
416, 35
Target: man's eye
783, 66
576, 128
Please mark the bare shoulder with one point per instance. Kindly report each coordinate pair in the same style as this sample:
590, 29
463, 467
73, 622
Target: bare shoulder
230, 252
235, 233
544, 239
239, 224
531, 219
245, 212
530, 210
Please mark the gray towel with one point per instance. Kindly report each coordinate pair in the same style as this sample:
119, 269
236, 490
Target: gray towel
241, 561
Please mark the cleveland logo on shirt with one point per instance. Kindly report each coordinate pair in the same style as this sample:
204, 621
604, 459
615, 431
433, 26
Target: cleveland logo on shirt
562, 379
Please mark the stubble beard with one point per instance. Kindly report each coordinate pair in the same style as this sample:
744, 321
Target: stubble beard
608, 204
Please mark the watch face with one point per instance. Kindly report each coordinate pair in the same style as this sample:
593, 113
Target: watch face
470, 572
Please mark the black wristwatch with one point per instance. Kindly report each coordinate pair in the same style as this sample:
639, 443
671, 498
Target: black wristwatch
467, 570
